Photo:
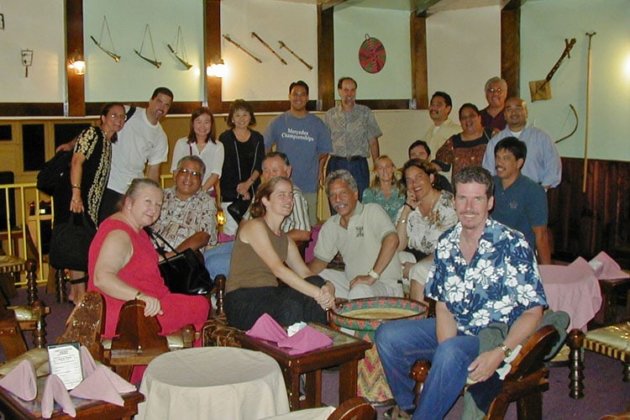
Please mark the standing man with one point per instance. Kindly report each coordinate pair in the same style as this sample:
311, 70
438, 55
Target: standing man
543, 164
492, 116
142, 142
355, 134
443, 127
484, 273
366, 239
520, 203
305, 139
189, 215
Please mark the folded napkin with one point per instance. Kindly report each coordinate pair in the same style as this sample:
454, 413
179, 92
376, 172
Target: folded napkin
267, 328
21, 381
607, 268
578, 270
88, 365
55, 391
102, 385
305, 340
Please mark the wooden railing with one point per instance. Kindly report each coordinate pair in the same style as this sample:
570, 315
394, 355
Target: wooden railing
23, 238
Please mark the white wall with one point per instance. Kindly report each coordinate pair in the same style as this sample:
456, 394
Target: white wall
544, 26
133, 79
391, 27
36, 25
464, 50
294, 24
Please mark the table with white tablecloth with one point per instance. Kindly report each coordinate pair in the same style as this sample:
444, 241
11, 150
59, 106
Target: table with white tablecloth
213, 382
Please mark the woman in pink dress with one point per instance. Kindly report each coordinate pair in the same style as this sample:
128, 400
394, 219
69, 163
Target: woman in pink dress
123, 265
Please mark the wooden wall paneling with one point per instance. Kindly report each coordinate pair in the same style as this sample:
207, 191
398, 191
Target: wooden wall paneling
585, 223
325, 58
511, 47
419, 78
212, 48
74, 45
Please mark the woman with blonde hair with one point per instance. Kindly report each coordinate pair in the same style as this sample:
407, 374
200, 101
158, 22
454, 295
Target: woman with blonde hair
385, 189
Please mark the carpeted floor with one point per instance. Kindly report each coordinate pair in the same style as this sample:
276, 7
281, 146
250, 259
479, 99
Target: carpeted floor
604, 389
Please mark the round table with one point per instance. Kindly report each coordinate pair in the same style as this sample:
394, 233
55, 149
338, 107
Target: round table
213, 382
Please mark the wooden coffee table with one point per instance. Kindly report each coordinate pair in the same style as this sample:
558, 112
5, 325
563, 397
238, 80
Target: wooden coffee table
345, 352
13, 407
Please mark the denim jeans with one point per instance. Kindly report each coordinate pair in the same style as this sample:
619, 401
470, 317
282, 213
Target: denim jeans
358, 168
401, 343
218, 259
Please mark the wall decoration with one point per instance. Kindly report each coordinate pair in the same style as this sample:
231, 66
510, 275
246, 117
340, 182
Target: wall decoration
372, 55
180, 48
237, 45
27, 60
2, 21
255, 35
154, 61
541, 89
294, 54
99, 43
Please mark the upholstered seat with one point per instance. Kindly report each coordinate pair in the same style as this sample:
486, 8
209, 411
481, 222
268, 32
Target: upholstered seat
612, 341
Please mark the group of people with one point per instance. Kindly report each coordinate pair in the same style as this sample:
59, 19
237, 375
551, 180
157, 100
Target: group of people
449, 240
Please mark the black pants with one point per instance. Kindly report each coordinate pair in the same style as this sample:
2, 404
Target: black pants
284, 304
110, 204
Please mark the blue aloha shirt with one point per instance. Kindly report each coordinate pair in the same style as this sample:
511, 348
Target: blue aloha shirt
500, 283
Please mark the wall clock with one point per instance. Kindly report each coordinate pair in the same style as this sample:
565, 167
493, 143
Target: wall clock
372, 55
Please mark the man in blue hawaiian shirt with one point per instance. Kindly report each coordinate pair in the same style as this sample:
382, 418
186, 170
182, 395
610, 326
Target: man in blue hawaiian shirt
484, 273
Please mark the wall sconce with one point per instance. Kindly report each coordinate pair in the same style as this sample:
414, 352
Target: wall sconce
217, 69
77, 63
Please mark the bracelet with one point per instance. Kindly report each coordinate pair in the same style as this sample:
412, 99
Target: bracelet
138, 294
402, 221
76, 186
409, 205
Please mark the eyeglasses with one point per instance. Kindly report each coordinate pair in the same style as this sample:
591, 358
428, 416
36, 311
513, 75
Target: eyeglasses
185, 171
495, 90
118, 117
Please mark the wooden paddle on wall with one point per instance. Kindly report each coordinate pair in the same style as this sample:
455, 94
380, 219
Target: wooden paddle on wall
541, 89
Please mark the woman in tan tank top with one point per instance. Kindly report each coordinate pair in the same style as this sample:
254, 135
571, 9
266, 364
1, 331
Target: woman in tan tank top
262, 255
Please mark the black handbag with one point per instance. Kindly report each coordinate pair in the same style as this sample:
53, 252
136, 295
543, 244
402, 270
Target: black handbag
184, 272
238, 208
70, 243
54, 173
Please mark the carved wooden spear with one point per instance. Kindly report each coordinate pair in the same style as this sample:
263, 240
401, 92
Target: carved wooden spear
283, 45
255, 35
237, 45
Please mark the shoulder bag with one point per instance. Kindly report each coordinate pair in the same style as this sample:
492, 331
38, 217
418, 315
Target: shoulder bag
70, 243
184, 272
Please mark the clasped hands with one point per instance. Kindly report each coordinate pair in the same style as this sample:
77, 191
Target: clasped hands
326, 297
152, 307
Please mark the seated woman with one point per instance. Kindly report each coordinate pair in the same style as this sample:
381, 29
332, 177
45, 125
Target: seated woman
427, 214
385, 189
123, 265
261, 250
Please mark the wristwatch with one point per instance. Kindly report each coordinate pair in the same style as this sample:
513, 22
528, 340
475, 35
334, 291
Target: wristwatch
374, 275
506, 350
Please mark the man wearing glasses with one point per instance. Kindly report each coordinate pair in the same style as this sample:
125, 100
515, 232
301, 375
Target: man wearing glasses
188, 217
496, 93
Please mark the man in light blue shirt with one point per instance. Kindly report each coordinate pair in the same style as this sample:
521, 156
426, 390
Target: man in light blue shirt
543, 163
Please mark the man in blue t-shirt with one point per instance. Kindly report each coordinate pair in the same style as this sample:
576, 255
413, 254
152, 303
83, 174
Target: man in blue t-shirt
305, 140
520, 203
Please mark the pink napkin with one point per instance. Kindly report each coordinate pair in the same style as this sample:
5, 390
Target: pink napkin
578, 270
21, 381
607, 268
88, 365
267, 328
104, 385
55, 390
305, 340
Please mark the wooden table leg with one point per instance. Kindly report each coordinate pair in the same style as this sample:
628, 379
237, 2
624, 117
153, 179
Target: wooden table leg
348, 380
292, 382
313, 390
31, 281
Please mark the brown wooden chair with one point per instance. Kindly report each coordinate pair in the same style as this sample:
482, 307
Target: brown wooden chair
138, 341
525, 383
357, 408
84, 325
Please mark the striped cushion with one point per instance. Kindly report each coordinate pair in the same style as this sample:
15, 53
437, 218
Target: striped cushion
612, 341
